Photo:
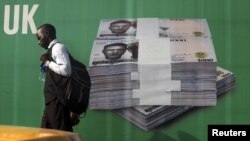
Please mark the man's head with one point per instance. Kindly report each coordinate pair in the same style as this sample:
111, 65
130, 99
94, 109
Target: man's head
45, 34
120, 26
114, 51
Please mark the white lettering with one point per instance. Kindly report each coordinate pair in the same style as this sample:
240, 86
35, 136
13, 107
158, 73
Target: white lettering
28, 19
244, 133
216, 132
7, 29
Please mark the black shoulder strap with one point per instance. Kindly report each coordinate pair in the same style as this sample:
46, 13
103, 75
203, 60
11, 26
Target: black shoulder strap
49, 51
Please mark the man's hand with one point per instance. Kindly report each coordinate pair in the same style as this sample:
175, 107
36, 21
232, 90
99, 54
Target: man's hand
44, 57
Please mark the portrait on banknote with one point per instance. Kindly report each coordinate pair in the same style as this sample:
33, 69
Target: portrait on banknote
118, 28
106, 52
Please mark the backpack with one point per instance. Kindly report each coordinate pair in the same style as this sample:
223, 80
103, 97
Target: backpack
78, 88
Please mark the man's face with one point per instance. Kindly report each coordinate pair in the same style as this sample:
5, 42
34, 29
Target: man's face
119, 28
43, 40
114, 52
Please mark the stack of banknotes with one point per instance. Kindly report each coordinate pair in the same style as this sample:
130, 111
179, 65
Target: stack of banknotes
150, 117
152, 61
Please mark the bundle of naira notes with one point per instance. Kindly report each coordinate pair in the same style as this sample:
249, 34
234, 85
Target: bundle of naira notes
151, 117
152, 61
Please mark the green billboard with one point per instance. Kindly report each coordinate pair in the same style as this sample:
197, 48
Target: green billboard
77, 22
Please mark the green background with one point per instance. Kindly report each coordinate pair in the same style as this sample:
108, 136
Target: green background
77, 21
